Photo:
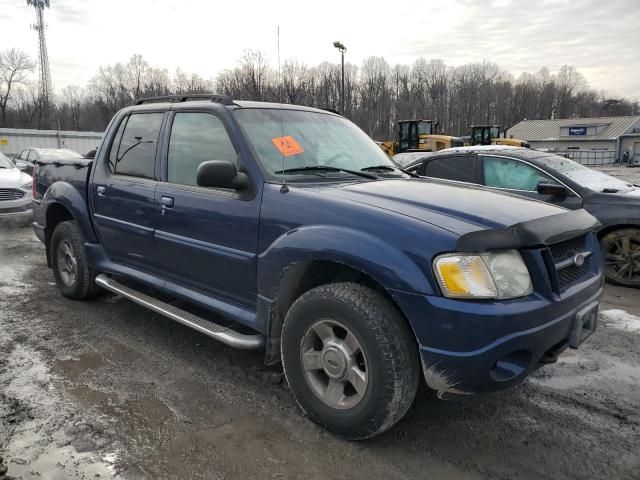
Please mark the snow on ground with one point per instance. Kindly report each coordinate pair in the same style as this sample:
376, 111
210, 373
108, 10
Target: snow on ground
621, 320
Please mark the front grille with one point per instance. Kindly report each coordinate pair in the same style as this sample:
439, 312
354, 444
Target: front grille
567, 249
570, 275
10, 194
565, 271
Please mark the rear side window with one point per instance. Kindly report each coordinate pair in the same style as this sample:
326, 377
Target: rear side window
133, 152
196, 138
459, 168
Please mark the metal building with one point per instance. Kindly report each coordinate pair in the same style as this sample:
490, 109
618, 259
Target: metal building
590, 141
15, 140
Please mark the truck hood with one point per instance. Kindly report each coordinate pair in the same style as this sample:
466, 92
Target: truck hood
459, 208
13, 178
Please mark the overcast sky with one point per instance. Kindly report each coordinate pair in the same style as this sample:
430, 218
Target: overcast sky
601, 38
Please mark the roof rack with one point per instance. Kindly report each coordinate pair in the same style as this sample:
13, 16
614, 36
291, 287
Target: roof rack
216, 98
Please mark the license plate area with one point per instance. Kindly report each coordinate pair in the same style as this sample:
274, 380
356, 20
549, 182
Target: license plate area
584, 324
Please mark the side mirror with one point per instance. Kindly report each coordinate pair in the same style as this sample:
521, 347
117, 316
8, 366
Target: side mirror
552, 189
21, 165
221, 174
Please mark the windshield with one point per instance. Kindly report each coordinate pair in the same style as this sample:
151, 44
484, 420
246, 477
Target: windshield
424, 128
5, 162
585, 176
59, 154
285, 140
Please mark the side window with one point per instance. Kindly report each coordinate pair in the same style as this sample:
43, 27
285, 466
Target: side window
513, 174
196, 138
460, 168
33, 156
133, 151
24, 155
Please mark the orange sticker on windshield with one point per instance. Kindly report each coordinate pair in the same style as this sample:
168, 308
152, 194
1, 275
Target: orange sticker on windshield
287, 146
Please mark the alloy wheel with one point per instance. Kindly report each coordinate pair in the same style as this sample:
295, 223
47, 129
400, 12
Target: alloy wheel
334, 364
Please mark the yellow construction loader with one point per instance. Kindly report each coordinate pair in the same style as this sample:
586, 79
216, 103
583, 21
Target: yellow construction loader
493, 135
419, 136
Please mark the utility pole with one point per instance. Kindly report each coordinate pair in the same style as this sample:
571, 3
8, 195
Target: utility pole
342, 49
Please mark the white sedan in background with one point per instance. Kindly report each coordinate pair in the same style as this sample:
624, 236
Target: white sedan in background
15, 190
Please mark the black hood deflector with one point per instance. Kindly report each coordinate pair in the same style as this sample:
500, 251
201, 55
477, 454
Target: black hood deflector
532, 233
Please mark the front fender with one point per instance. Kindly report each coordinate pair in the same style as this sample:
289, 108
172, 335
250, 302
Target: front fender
65, 194
386, 264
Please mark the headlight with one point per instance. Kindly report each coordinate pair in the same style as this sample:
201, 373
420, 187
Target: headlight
26, 186
423, 140
498, 275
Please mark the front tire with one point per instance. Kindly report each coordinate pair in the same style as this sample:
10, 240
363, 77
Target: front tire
71, 270
350, 359
621, 250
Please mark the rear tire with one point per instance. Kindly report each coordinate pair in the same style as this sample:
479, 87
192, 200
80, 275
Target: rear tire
621, 251
71, 270
350, 359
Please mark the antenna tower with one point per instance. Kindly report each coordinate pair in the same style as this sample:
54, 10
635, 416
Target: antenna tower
44, 73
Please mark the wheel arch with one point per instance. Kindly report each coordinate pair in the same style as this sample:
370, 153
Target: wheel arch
616, 226
56, 214
62, 202
305, 275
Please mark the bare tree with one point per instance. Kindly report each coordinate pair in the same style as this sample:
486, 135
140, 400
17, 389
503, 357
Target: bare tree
15, 67
376, 95
70, 106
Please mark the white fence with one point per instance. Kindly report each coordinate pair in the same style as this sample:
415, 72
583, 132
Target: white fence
15, 140
589, 157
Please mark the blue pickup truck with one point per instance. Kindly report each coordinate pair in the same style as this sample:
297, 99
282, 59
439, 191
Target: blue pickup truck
293, 226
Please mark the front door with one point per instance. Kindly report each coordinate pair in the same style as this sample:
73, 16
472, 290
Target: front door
207, 238
123, 192
518, 177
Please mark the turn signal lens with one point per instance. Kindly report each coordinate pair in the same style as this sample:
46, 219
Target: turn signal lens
489, 275
464, 276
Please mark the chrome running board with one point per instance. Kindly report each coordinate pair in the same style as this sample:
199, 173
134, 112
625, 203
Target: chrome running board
211, 329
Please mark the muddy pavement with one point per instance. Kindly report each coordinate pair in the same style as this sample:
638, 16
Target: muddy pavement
105, 389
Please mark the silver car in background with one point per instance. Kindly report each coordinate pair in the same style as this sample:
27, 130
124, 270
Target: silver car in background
15, 190
27, 159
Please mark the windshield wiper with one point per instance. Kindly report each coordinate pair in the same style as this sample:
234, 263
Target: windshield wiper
326, 168
388, 168
379, 167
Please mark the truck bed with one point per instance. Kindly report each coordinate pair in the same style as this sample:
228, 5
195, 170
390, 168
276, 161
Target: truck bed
75, 172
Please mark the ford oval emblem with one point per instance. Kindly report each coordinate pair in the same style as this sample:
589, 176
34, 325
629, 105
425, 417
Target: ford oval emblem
578, 260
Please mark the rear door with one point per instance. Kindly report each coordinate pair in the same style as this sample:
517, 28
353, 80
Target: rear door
522, 178
461, 168
207, 238
123, 192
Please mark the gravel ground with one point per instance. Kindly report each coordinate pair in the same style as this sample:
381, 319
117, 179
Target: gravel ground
105, 389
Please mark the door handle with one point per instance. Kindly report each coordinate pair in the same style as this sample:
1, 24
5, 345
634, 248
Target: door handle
165, 203
102, 191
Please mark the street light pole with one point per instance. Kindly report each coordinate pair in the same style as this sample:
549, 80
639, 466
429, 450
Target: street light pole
342, 49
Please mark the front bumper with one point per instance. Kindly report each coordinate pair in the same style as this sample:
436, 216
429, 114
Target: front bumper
13, 208
470, 347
